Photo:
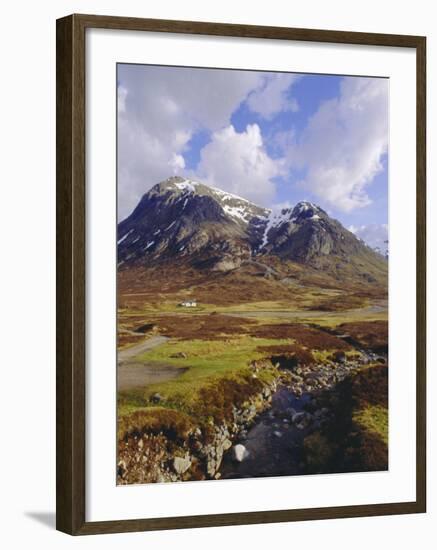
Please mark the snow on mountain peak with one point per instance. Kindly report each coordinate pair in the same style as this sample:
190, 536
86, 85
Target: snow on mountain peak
239, 209
187, 185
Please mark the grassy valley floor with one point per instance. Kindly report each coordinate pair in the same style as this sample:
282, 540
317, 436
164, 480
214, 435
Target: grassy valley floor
194, 382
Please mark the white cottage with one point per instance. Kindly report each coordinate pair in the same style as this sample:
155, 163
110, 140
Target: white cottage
189, 303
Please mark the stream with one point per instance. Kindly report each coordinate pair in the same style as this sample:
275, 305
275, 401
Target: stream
273, 443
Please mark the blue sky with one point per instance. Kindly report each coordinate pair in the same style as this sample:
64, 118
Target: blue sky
273, 138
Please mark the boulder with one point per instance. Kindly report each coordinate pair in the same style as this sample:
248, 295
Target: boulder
181, 464
226, 444
239, 452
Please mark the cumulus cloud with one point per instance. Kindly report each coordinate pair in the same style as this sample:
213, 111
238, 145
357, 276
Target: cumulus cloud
159, 110
238, 163
177, 163
375, 235
272, 96
344, 143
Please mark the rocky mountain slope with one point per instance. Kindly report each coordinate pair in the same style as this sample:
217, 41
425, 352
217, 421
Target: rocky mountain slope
206, 228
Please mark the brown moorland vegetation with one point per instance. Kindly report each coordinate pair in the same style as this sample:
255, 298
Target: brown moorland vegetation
372, 335
288, 355
203, 327
309, 337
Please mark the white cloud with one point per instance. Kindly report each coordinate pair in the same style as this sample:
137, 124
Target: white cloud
238, 163
177, 163
272, 96
159, 109
344, 142
375, 235
121, 96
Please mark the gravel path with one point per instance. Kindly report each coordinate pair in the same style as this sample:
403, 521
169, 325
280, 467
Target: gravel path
125, 355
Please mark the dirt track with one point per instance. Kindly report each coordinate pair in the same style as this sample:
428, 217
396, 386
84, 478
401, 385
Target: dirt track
125, 355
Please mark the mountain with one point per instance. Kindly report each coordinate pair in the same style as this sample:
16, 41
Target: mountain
187, 219
206, 228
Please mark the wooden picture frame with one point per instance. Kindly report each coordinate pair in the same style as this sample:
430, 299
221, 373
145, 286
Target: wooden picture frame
71, 253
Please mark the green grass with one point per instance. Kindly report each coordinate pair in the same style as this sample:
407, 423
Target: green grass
207, 360
154, 420
217, 376
373, 419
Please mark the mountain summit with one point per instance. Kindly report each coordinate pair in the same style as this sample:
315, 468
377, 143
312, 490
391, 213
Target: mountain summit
184, 220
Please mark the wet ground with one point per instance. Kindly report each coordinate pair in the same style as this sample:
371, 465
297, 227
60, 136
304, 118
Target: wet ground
133, 374
139, 375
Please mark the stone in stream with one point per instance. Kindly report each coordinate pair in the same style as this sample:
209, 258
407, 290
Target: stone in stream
239, 452
302, 420
277, 434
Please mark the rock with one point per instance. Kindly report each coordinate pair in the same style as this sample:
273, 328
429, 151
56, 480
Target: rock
239, 452
227, 264
227, 444
121, 468
301, 420
179, 355
140, 444
339, 356
277, 434
181, 464
156, 398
